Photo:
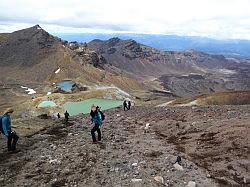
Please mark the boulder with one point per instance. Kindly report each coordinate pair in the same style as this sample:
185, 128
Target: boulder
191, 184
159, 179
178, 167
136, 180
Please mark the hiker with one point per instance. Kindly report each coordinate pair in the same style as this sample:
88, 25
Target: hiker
96, 119
66, 115
5, 127
58, 116
125, 106
129, 105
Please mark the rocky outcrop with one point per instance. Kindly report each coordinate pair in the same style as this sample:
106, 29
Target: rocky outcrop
87, 55
78, 88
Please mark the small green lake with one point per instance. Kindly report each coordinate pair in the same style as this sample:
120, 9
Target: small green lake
47, 104
75, 108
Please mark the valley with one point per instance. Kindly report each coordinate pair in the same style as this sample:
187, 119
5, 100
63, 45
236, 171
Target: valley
185, 103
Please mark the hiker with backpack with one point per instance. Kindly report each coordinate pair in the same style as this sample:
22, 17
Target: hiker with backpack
5, 127
96, 118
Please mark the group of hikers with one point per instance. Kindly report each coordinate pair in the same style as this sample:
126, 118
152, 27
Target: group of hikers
96, 115
66, 116
126, 105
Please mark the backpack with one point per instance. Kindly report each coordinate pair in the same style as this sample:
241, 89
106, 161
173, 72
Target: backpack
1, 125
103, 116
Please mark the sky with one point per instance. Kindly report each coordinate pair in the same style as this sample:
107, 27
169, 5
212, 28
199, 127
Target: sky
221, 19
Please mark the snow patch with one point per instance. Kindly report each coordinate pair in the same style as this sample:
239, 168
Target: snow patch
29, 90
57, 71
49, 93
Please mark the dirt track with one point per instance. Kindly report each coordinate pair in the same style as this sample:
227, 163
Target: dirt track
212, 141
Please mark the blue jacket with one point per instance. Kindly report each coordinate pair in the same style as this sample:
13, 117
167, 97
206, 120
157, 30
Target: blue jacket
6, 122
97, 119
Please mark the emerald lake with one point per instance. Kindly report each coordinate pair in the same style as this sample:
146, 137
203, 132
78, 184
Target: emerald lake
75, 108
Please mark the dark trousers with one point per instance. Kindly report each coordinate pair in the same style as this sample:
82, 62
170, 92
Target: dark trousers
66, 118
12, 140
96, 128
125, 107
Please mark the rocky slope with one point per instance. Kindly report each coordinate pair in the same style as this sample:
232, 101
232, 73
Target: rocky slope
212, 142
33, 56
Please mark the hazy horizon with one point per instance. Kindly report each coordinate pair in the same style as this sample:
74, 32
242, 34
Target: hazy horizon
224, 19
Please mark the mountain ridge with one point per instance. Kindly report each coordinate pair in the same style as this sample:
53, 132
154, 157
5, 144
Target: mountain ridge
185, 73
167, 61
237, 48
33, 55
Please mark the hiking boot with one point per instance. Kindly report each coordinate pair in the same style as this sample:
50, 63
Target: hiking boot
14, 151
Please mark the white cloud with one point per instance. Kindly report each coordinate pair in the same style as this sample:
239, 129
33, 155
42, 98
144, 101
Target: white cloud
213, 18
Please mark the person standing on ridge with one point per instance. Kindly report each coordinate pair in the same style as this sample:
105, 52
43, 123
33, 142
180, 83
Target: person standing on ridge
129, 105
5, 127
66, 115
125, 105
96, 119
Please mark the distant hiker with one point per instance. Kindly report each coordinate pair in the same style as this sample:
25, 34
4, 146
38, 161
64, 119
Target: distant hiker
58, 116
66, 115
5, 127
125, 105
96, 119
129, 105
178, 160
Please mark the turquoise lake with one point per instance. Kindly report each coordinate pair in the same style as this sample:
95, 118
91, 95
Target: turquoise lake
47, 104
75, 108
65, 85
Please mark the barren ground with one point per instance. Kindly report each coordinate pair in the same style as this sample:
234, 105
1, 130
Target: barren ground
212, 141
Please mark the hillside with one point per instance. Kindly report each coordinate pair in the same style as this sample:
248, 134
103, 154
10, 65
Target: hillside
146, 61
32, 56
211, 140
